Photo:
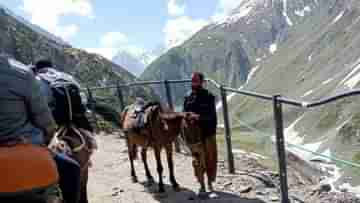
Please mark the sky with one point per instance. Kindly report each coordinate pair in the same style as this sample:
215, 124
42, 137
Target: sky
108, 26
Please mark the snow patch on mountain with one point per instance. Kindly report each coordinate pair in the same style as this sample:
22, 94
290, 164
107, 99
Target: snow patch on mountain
302, 12
243, 11
288, 20
341, 14
273, 48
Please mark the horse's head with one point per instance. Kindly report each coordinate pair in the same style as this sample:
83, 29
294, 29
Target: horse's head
192, 135
191, 131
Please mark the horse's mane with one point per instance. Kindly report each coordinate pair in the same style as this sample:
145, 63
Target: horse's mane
149, 104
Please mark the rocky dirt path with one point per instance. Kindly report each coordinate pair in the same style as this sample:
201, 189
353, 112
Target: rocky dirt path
110, 180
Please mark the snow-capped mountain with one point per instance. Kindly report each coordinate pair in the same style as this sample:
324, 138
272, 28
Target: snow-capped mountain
136, 62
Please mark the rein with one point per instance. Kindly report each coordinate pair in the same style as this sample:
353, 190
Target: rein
61, 134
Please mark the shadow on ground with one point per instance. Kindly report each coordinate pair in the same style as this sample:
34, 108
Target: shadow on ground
188, 196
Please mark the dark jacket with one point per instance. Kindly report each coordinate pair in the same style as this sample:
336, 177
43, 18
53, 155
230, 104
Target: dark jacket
202, 102
23, 110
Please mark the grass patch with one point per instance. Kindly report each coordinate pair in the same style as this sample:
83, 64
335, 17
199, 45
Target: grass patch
250, 142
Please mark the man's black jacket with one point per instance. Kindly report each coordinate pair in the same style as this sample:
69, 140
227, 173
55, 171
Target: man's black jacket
202, 102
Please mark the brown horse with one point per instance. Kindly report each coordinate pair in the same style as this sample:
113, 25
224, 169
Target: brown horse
162, 128
79, 144
191, 133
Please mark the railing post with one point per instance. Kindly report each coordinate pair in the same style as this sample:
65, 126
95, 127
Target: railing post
91, 102
168, 94
171, 105
120, 96
280, 140
230, 156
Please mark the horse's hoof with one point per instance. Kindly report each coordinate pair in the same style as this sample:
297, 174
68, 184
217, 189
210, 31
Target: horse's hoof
202, 190
161, 190
176, 187
149, 183
134, 179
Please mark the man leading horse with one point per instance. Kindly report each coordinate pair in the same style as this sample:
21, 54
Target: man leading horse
201, 102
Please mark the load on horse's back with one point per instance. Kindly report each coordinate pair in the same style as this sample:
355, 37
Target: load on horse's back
151, 125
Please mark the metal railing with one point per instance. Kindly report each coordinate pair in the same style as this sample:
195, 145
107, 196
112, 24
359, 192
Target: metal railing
277, 101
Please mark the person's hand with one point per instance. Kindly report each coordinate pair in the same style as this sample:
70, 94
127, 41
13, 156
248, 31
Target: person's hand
195, 116
192, 117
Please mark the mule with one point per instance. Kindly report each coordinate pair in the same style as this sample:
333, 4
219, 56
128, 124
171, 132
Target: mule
162, 127
79, 144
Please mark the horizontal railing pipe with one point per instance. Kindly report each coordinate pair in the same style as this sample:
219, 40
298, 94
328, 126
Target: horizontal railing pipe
292, 102
332, 98
248, 93
216, 84
243, 92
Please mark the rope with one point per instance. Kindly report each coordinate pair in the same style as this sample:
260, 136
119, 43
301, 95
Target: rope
62, 133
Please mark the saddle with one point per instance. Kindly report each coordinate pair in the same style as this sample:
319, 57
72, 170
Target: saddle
138, 114
24, 169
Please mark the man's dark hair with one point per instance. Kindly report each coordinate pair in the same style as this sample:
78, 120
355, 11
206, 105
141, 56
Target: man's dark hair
43, 64
200, 75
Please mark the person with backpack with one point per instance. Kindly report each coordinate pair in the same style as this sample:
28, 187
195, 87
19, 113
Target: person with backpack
27, 169
53, 84
58, 88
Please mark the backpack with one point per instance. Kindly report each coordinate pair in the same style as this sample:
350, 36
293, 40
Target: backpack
65, 93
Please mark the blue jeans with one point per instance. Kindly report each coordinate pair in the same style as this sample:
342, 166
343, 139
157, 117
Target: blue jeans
69, 171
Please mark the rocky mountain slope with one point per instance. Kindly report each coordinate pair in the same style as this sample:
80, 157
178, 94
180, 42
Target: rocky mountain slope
302, 49
227, 50
28, 43
319, 58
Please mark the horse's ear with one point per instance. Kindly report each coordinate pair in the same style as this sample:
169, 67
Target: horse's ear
150, 112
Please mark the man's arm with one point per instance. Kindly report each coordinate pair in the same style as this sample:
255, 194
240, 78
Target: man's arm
38, 109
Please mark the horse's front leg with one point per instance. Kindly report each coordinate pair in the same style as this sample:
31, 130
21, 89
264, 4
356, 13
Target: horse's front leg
157, 151
132, 156
169, 156
147, 171
83, 186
